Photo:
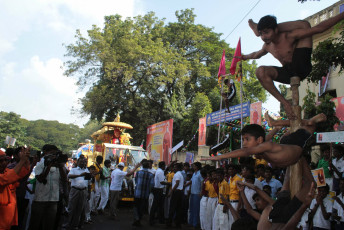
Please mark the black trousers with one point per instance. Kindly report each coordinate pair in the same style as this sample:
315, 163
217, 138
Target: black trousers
157, 206
176, 207
140, 205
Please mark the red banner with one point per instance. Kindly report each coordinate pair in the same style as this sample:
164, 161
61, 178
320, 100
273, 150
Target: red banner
202, 129
159, 141
256, 113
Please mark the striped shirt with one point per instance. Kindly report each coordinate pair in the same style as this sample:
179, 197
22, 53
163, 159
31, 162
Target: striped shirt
144, 181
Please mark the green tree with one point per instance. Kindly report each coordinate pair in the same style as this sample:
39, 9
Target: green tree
308, 106
149, 71
12, 125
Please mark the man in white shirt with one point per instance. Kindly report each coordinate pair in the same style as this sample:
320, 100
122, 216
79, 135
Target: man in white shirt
158, 202
321, 209
117, 177
337, 166
79, 178
48, 174
338, 206
176, 204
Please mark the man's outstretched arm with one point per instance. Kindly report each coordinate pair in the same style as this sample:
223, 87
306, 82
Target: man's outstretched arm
244, 152
255, 55
321, 27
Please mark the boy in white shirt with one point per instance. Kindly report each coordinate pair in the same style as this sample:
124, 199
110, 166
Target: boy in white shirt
321, 209
338, 206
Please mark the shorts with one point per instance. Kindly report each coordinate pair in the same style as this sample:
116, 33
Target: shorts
284, 208
300, 66
299, 138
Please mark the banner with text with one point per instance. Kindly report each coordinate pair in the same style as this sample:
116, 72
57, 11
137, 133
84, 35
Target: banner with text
214, 118
159, 141
256, 113
202, 131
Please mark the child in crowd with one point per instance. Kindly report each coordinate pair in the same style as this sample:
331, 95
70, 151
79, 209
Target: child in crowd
338, 206
220, 220
321, 209
288, 152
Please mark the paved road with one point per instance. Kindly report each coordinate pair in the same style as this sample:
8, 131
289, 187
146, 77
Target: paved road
123, 222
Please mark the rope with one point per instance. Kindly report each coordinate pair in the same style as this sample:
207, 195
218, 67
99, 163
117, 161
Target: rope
242, 19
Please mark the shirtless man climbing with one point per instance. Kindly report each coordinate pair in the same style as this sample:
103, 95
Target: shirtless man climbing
291, 44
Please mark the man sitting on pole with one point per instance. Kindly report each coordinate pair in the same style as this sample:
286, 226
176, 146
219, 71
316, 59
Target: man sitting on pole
291, 44
228, 97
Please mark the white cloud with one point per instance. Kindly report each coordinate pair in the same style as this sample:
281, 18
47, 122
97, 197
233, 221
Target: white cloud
40, 91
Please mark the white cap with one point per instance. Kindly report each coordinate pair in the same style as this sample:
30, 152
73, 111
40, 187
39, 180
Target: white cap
120, 164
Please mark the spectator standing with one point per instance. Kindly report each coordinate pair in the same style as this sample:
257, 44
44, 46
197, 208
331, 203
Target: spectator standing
212, 188
337, 166
324, 163
204, 200
158, 201
78, 194
186, 198
117, 177
144, 181
233, 190
8, 183
98, 171
220, 220
321, 209
272, 182
248, 171
195, 197
260, 172
338, 206
176, 194
104, 186
48, 174
91, 185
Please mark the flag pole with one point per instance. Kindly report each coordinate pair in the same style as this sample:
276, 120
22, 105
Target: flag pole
240, 73
218, 132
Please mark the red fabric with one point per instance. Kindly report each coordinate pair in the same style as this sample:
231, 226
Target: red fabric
222, 68
8, 205
216, 187
236, 60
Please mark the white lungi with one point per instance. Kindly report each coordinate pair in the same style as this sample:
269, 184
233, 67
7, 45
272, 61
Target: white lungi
202, 211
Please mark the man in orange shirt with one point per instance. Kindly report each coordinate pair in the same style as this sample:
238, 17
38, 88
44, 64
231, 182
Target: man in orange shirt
8, 184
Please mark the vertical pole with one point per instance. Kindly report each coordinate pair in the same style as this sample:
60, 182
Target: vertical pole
218, 133
295, 182
241, 110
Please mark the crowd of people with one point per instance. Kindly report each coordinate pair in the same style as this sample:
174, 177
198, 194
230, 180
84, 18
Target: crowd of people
247, 195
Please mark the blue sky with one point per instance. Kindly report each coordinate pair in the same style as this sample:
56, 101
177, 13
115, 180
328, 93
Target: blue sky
31, 51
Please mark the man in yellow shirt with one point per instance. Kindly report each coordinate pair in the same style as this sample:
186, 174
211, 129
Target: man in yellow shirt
212, 188
234, 197
220, 220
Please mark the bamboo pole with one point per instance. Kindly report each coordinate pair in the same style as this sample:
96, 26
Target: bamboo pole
295, 182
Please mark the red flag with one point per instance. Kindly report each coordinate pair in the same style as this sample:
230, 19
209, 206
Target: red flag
222, 68
235, 60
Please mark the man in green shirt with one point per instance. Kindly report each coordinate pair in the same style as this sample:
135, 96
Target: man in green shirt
324, 163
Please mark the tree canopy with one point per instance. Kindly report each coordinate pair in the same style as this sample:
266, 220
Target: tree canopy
150, 71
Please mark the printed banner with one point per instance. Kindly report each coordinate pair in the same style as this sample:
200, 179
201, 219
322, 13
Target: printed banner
319, 177
10, 140
256, 113
214, 118
339, 102
330, 137
159, 141
189, 158
175, 148
202, 131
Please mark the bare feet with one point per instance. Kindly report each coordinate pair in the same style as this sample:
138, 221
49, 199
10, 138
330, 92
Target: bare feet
269, 119
253, 26
289, 111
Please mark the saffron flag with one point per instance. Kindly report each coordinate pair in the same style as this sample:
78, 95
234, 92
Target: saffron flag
235, 59
222, 68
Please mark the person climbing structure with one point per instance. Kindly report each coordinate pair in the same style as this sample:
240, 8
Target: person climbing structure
228, 97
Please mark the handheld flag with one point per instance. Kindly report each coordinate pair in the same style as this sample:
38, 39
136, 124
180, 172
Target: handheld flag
222, 68
235, 59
